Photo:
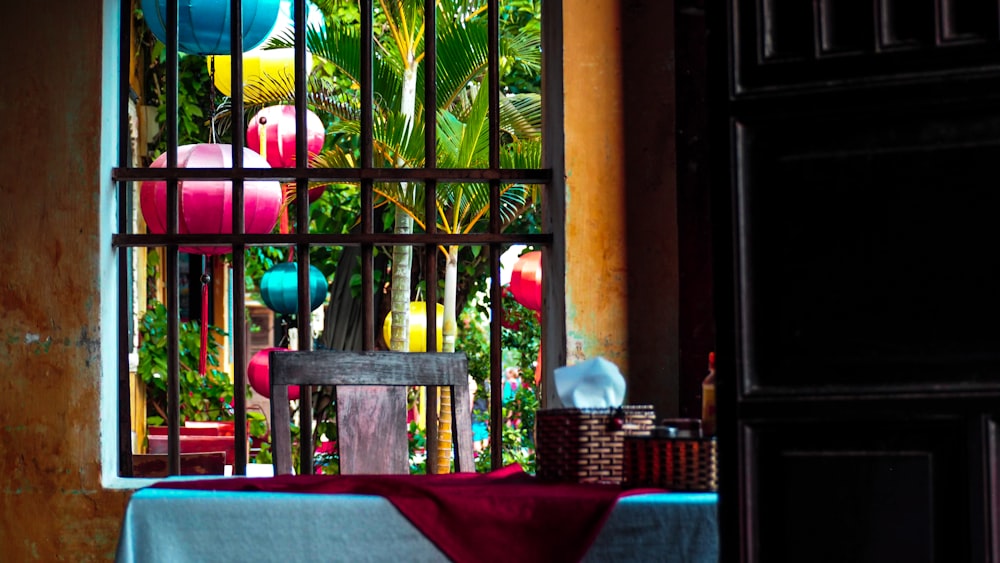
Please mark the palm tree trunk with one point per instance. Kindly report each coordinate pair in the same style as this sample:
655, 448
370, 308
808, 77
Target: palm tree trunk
449, 333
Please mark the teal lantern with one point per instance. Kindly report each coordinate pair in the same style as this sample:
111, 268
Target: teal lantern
203, 25
279, 288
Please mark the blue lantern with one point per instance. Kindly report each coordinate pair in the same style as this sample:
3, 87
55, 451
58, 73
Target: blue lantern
203, 25
278, 288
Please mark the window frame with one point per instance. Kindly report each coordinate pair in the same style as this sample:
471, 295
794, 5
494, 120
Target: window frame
551, 240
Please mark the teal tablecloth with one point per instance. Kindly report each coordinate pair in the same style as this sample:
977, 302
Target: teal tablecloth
171, 525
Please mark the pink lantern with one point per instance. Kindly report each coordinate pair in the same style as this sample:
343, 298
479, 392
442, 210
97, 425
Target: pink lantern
205, 206
526, 280
272, 134
259, 374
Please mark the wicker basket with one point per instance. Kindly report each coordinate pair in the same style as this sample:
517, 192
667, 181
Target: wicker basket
586, 445
677, 464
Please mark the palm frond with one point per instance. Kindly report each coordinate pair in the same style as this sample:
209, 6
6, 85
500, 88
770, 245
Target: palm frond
521, 116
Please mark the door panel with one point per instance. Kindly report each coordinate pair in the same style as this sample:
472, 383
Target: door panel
856, 193
866, 490
869, 249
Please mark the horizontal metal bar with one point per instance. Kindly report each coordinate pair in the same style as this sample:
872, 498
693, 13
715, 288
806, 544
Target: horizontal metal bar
327, 239
462, 175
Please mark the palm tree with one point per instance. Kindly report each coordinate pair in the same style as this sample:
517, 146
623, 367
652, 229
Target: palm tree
463, 207
399, 116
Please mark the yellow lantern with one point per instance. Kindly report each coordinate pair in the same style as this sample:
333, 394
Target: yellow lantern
418, 326
260, 67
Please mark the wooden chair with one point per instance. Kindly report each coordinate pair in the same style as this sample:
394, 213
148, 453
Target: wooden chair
371, 422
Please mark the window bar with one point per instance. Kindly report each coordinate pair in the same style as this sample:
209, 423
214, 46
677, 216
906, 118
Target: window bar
553, 208
367, 184
302, 226
496, 364
124, 304
496, 302
172, 274
430, 214
239, 248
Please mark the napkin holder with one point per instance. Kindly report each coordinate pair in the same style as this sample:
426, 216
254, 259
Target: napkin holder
586, 445
666, 458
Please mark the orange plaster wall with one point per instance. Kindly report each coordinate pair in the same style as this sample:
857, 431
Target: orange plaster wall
596, 291
52, 505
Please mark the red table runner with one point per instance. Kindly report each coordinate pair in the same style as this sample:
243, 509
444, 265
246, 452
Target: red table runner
468, 516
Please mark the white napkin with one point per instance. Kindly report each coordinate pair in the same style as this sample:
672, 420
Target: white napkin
594, 383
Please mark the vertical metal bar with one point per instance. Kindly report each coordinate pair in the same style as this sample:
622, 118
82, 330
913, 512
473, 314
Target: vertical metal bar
302, 225
124, 307
496, 359
430, 162
239, 254
430, 215
172, 280
493, 71
553, 201
304, 343
496, 304
367, 197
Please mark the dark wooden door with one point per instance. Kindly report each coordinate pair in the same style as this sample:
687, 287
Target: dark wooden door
856, 194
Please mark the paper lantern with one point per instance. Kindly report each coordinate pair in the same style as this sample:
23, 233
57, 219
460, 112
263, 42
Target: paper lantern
279, 288
203, 26
526, 280
261, 68
205, 206
271, 133
259, 374
418, 326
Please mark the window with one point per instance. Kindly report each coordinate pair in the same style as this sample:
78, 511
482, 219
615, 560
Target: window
224, 201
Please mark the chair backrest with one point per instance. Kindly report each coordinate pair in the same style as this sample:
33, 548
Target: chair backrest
371, 420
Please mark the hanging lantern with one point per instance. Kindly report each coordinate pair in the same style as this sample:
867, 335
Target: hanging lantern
279, 288
272, 134
526, 280
203, 26
261, 69
267, 68
205, 206
418, 326
259, 374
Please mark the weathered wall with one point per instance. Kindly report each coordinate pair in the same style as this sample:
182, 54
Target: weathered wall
52, 506
621, 200
596, 280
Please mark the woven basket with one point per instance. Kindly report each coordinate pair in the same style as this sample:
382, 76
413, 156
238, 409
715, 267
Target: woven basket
678, 464
586, 445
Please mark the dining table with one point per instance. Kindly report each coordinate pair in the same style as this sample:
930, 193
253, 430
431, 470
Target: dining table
504, 515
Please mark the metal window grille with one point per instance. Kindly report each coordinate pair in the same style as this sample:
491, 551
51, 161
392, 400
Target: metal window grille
368, 237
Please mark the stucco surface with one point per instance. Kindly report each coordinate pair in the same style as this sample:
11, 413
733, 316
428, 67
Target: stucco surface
596, 281
52, 506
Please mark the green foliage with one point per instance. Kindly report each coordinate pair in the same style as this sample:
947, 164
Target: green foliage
520, 345
207, 397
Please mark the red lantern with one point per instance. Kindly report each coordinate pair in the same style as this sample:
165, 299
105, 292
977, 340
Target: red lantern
259, 374
205, 206
526, 280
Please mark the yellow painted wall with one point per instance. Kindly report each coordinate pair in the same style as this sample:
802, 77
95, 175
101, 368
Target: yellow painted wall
595, 180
